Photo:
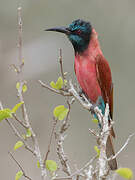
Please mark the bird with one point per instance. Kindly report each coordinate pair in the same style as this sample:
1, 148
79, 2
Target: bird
92, 71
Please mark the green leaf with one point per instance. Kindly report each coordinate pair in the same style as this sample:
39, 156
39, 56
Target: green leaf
58, 85
24, 88
18, 175
95, 120
5, 113
97, 150
65, 82
28, 134
60, 112
18, 145
38, 164
51, 165
16, 107
17, 85
125, 173
53, 85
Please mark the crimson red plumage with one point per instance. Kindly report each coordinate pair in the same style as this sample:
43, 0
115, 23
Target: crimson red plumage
93, 72
94, 76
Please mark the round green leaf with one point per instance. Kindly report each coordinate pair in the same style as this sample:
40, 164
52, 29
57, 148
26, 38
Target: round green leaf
51, 165
5, 113
63, 114
18, 145
19, 174
60, 112
125, 173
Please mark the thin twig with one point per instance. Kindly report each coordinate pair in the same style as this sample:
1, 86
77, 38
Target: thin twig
34, 138
60, 139
20, 137
72, 92
61, 65
52, 133
23, 124
85, 166
123, 147
20, 39
20, 95
61, 154
16, 132
80, 170
65, 124
92, 131
24, 174
15, 68
63, 93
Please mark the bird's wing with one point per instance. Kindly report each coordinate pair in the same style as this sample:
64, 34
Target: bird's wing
105, 81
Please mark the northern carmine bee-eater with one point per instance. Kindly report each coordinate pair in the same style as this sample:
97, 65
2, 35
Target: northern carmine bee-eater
92, 71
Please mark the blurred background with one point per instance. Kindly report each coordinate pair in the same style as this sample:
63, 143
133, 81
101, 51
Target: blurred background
115, 23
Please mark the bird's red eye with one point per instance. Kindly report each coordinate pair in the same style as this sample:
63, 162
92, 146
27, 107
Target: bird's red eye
78, 32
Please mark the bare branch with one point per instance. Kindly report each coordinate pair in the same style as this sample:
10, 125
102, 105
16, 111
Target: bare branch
20, 95
61, 155
103, 163
52, 133
85, 166
60, 139
92, 131
72, 90
63, 93
123, 147
20, 39
16, 132
20, 137
24, 174
61, 65
65, 124
80, 170
20, 122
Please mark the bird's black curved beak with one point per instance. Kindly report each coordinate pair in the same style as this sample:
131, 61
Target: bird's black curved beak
64, 30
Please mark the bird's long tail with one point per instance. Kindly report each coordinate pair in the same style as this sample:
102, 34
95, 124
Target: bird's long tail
110, 152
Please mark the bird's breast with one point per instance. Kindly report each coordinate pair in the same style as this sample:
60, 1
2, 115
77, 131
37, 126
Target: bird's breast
85, 70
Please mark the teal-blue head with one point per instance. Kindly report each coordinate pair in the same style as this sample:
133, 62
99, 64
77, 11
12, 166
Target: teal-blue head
78, 32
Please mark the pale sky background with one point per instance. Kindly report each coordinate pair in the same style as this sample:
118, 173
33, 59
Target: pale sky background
115, 23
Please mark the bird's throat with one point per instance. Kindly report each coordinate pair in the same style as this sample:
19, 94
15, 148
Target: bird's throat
88, 46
